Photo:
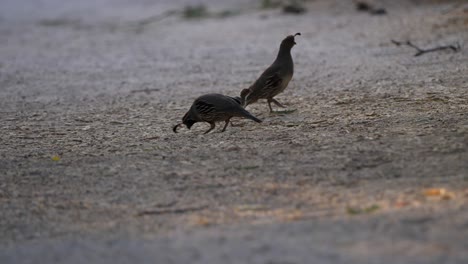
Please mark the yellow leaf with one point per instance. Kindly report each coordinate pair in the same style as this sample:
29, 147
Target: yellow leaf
439, 193
434, 192
55, 158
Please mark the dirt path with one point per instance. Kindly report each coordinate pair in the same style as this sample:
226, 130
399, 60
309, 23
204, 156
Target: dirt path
90, 169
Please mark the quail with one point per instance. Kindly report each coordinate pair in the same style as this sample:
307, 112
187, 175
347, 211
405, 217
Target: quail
214, 108
275, 78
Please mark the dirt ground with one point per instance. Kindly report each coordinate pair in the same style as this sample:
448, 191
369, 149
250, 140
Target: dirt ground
371, 167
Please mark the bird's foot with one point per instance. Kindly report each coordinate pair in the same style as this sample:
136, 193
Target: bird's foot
277, 103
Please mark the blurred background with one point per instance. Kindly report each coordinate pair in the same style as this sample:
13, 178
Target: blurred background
77, 50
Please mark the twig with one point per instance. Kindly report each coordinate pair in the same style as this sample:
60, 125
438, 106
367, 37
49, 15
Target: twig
172, 211
151, 138
115, 122
165, 205
318, 121
156, 18
28, 137
140, 25
146, 90
454, 48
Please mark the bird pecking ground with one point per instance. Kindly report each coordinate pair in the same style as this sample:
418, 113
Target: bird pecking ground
369, 163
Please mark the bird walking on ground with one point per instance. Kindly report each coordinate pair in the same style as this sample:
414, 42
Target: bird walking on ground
275, 78
214, 108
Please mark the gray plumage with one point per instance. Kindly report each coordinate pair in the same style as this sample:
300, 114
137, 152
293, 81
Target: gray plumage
214, 108
275, 78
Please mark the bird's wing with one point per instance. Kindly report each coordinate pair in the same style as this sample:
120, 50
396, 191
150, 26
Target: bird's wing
204, 107
272, 81
266, 85
218, 104
237, 99
215, 102
269, 79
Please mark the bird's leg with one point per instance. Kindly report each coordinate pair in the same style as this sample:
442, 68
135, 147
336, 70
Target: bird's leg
213, 124
225, 125
269, 105
277, 103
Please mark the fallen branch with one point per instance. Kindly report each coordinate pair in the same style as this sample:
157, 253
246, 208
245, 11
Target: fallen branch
454, 48
172, 211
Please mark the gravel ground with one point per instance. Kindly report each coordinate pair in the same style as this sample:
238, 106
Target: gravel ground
371, 167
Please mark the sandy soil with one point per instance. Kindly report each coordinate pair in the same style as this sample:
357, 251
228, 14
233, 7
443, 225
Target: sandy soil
90, 170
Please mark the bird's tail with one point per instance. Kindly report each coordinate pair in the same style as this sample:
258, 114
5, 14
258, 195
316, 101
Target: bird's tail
251, 117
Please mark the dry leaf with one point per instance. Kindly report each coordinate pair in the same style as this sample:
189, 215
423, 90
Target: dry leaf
439, 193
400, 204
199, 220
434, 192
55, 158
293, 215
364, 210
447, 196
